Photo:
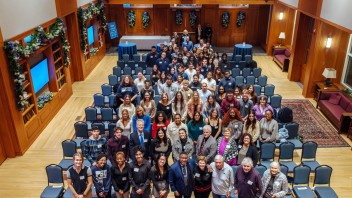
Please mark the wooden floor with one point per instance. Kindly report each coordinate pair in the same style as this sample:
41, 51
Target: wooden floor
25, 176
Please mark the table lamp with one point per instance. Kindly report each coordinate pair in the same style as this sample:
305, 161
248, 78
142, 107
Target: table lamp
328, 74
282, 36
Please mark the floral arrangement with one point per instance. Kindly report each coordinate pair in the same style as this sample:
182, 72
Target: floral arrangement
88, 14
225, 19
193, 18
131, 17
145, 19
241, 16
43, 99
93, 51
16, 52
178, 17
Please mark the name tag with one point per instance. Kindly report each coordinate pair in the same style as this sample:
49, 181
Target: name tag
99, 146
230, 83
167, 107
154, 76
225, 66
200, 128
81, 177
160, 62
249, 182
189, 95
216, 127
151, 56
231, 105
145, 140
228, 146
197, 175
239, 146
246, 106
136, 170
123, 146
236, 126
124, 179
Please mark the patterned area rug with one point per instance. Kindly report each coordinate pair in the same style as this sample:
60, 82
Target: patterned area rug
312, 125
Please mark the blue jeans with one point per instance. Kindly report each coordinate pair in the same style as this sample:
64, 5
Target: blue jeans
218, 196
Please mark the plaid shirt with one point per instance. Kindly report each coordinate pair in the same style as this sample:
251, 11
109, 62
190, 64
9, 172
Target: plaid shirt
114, 146
94, 147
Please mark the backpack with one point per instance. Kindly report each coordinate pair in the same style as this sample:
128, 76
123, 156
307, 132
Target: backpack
283, 134
285, 115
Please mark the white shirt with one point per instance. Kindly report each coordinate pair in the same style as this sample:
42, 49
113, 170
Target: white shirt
172, 131
222, 180
211, 83
204, 95
190, 74
139, 84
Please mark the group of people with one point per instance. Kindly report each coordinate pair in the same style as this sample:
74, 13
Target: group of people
203, 116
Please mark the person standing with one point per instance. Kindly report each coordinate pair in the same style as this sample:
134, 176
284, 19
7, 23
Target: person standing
140, 138
248, 183
202, 178
206, 144
222, 178
94, 145
138, 175
151, 57
208, 31
102, 177
118, 143
159, 174
274, 182
120, 176
181, 176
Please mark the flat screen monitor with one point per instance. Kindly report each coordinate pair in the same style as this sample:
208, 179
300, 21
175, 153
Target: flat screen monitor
90, 32
40, 75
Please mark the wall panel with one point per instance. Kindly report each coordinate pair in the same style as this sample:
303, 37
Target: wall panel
138, 29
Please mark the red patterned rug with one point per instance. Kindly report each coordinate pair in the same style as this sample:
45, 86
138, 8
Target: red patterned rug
312, 125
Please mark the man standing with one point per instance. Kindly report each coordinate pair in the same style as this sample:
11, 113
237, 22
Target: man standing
140, 138
195, 84
168, 54
248, 183
208, 33
138, 175
222, 178
151, 57
227, 82
94, 145
190, 72
118, 143
206, 144
187, 44
181, 176
211, 83
147, 88
169, 88
229, 102
163, 63
246, 105
204, 93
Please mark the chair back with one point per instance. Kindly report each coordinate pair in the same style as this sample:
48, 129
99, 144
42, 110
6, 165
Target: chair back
229, 57
301, 175
267, 151
136, 57
157, 99
131, 64
286, 151
236, 72
322, 175
275, 101
262, 80
91, 114
81, 129
106, 114
116, 71
257, 89
142, 64
147, 76
257, 72
113, 80
232, 64
309, 150
54, 173
261, 169
239, 80
148, 70
121, 64
246, 72
111, 127
138, 69
106, 89
134, 77
144, 57
247, 58
101, 127
292, 130
127, 71
250, 80
125, 57
112, 100
238, 58
242, 65
69, 148
269, 90
284, 169
99, 99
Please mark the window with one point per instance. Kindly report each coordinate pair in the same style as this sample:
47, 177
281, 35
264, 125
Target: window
347, 69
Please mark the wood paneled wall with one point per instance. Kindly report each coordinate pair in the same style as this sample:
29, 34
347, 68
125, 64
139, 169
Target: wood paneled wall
276, 26
163, 23
64, 7
311, 7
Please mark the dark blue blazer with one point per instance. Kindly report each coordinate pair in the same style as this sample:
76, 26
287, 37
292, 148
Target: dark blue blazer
176, 178
134, 141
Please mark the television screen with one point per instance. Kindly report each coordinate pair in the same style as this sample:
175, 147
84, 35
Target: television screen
28, 39
90, 32
40, 75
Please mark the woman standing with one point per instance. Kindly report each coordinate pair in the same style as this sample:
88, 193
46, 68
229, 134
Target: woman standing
102, 177
159, 174
195, 127
202, 179
251, 126
179, 106
216, 59
155, 75
261, 107
161, 82
218, 75
227, 147
247, 149
120, 176
161, 145
140, 114
274, 182
209, 106
165, 105
139, 81
252, 95
127, 104
79, 178
182, 144
125, 123
148, 104
233, 120
215, 123
268, 128
194, 104
161, 121
220, 95
127, 87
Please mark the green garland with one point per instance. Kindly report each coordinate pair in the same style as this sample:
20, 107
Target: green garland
43, 99
178, 17
225, 19
131, 17
193, 18
145, 19
87, 14
15, 52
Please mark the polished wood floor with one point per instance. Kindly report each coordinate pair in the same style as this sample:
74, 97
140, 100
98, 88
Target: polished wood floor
25, 176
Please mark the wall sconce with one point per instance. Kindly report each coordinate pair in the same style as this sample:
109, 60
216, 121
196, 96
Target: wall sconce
328, 42
281, 16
